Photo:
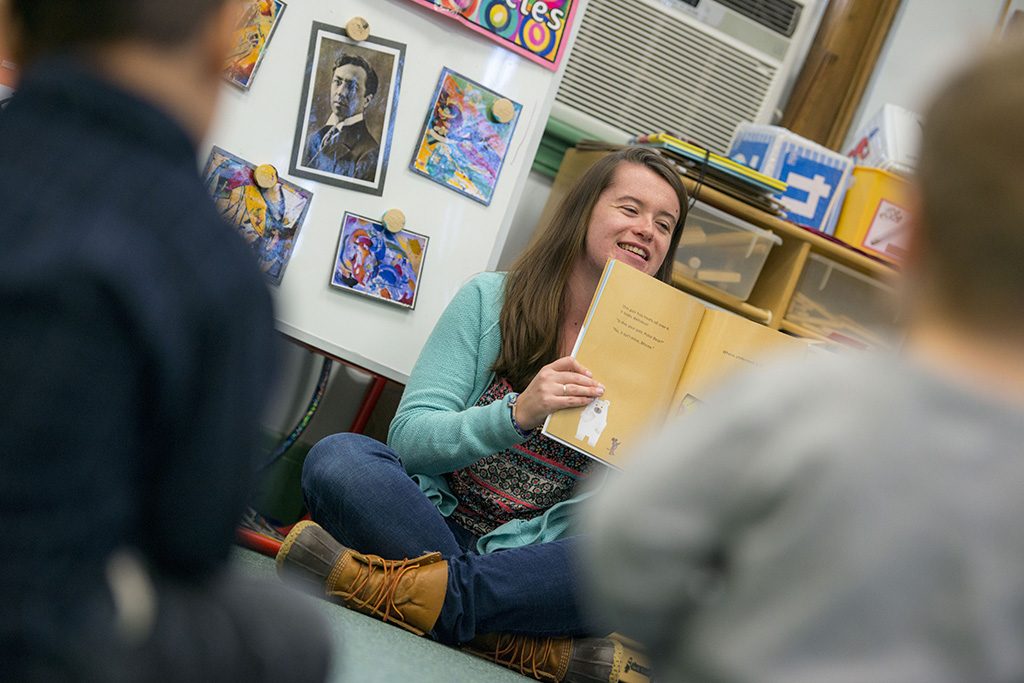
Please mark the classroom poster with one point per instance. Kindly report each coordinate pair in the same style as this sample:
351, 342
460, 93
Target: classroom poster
535, 29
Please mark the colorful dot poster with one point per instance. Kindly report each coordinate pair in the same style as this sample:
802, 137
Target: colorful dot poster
535, 29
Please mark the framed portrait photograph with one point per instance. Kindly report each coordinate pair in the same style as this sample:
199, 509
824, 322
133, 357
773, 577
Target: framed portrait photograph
268, 218
255, 28
378, 263
347, 115
462, 146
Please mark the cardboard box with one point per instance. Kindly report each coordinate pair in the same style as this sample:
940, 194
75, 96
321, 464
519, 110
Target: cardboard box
817, 177
889, 141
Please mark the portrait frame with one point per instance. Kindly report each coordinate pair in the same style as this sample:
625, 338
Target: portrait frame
230, 181
387, 58
241, 67
468, 154
388, 261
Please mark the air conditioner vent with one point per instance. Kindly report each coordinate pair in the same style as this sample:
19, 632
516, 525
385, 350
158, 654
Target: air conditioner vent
664, 74
780, 16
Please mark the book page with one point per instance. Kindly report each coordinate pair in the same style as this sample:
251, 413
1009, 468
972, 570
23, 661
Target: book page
727, 344
634, 340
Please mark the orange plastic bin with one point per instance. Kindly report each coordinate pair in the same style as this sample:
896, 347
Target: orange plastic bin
875, 216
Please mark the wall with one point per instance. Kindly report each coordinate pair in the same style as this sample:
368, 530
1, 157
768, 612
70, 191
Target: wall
535, 196
928, 39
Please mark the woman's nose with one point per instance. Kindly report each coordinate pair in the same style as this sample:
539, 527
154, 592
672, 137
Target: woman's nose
644, 229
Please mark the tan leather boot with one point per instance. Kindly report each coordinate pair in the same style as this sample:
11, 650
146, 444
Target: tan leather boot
407, 593
564, 660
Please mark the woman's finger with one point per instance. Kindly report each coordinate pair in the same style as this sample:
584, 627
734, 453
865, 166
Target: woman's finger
588, 391
565, 402
569, 364
573, 378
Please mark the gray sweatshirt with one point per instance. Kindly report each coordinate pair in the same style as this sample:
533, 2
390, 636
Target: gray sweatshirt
860, 520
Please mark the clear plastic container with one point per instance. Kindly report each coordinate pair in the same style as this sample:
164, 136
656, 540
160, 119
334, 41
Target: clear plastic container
843, 305
723, 251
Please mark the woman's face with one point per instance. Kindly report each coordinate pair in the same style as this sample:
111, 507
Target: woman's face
632, 220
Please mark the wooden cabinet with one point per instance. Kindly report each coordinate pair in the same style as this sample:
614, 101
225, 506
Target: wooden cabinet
774, 289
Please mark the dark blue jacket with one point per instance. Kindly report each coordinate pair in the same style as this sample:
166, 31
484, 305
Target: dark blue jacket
135, 351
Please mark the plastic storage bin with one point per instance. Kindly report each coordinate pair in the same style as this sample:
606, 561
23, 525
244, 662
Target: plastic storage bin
843, 305
889, 141
817, 177
875, 216
723, 251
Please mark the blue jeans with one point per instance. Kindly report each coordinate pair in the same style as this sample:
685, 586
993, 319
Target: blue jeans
356, 488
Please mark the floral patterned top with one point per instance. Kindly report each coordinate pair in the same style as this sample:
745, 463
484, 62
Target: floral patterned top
520, 482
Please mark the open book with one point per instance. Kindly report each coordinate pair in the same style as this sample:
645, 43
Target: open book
657, 351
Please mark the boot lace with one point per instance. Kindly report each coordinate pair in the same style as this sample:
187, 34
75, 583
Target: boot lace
380, 600
525, 654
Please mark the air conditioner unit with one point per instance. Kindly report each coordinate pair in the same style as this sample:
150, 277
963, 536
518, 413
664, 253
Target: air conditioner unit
693, 67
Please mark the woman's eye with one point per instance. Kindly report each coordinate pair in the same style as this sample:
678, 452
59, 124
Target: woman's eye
631, 210
665, 227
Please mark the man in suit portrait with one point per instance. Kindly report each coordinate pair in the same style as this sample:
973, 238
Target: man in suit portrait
344, 145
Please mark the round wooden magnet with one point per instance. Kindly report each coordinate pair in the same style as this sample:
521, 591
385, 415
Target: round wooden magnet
503, 110
394, 220
358, 29
266, 176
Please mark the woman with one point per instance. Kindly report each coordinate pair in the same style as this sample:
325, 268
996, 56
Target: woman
467, 473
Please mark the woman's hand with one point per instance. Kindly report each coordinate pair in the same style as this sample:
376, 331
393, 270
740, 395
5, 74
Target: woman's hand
559, 385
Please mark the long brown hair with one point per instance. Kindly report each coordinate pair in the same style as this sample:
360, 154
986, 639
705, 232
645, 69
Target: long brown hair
536, 282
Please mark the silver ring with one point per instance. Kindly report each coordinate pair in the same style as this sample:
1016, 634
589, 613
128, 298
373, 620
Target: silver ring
565, 392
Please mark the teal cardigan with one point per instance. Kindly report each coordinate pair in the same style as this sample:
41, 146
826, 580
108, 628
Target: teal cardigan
439, 428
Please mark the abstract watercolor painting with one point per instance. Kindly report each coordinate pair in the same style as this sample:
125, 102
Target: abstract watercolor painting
252, 35
376, 262
268, 218
462, 146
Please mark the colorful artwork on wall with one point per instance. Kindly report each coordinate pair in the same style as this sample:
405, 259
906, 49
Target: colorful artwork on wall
347, 114
269, 218
376, 262
462, 146
535, 29
252, 36
8, 76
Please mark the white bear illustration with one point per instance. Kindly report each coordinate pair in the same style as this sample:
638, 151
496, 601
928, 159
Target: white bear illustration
593, 421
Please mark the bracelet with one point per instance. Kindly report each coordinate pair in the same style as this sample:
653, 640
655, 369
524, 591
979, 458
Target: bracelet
511, 398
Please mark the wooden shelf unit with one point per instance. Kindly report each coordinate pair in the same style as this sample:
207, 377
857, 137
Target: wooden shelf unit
773, 290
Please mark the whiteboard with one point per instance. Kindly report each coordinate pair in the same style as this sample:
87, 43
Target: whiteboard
465, 237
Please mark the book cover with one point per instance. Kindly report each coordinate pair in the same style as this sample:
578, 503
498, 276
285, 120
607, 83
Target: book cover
656, 350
